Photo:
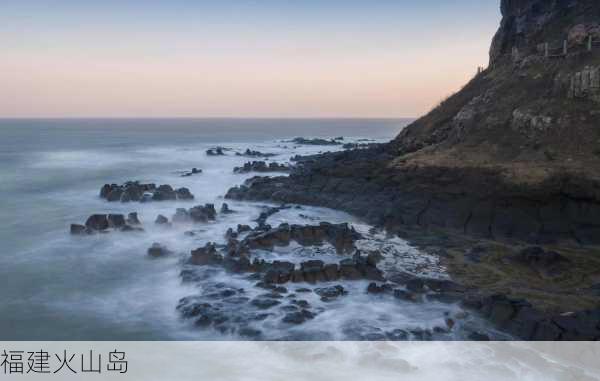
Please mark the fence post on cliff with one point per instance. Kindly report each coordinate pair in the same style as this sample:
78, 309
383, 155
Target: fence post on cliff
565, 49
546, 50
589, 43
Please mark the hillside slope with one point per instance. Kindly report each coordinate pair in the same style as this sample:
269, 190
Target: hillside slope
514, 155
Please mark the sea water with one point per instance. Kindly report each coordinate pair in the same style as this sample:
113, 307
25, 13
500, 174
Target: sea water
55, 286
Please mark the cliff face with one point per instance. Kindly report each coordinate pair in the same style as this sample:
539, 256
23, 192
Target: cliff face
537, 104
528, 23
515, 154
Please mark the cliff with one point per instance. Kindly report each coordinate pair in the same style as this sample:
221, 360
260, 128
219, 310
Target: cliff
514, 155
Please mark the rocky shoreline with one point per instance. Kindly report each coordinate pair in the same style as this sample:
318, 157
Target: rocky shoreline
472, 201
379, 198
509, 165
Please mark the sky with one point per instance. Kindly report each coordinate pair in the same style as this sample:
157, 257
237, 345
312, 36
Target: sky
226, 58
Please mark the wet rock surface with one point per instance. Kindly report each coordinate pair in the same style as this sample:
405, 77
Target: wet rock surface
216, 151
521, 319
194, 171
363, 183
252, 153
104, 223
317, 141
134, 191
261, 166
157, 251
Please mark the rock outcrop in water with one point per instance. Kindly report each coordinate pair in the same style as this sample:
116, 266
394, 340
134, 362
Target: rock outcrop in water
135, 191
261, 166
317, 141
199, 213
216, 151
102, 223
194, 171
236, 256
253, 153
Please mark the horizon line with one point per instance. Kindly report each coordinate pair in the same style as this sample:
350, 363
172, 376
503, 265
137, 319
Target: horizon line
206, 117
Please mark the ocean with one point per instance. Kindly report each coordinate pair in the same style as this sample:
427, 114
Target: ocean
56, 286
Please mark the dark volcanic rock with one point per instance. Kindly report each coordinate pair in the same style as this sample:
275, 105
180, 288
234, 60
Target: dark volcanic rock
298, 317
216, 151
330, 293
116, 220
132, 219
225, 209
157, 250
495, 160
261, 166
519, 318
206, 255
194, 171
79, 229
97, 222
252, 153
316, 141
341, 236
135, 191
203, 213
161, 220
547, 263
102, 223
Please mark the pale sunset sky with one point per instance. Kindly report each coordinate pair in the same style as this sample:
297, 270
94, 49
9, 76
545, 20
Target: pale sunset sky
226, 58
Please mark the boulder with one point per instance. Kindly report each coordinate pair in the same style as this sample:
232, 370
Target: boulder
206, 255
157, 250
184, 194
132, 219
279, 272
216, 151
79, 229
330, 293
203, 213
243, 228
194, 171
225, 209
116, 221
181, 215
298, 317
136, 191
97, 222
161, 220
164, 193
313, 271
